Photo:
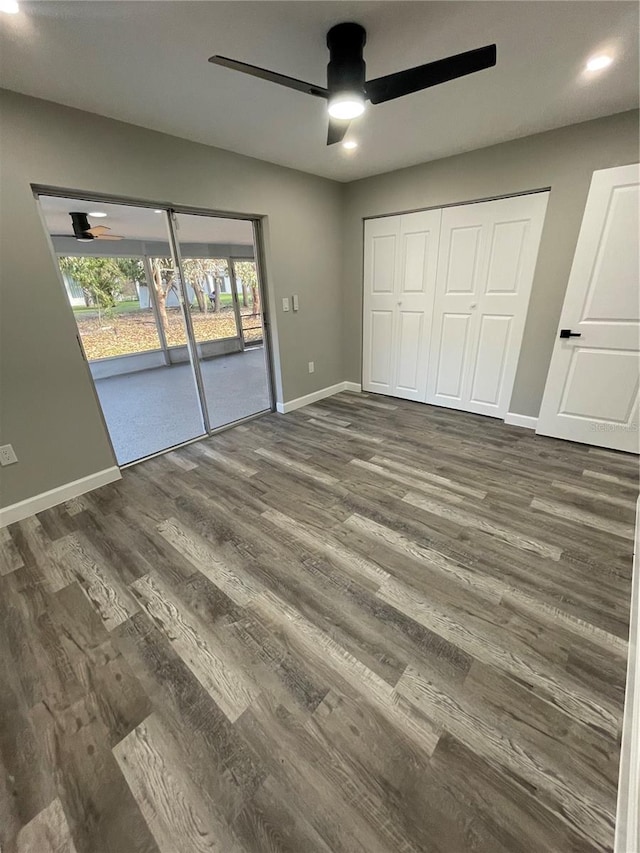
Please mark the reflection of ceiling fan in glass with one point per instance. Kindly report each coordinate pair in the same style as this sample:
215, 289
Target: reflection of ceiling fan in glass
84, 232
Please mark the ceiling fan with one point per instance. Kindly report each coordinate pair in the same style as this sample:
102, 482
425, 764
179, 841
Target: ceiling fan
347, 90
83, 231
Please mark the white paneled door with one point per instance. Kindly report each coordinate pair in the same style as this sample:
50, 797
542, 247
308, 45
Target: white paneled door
486, 261
591, 394
399, 279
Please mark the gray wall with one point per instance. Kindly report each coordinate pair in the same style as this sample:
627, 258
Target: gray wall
562, 159
48, 409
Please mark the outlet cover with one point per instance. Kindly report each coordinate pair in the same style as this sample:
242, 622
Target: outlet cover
7, 455
312, 367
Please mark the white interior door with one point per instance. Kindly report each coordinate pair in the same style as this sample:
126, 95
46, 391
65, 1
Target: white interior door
400, 262
486, 262
591, 394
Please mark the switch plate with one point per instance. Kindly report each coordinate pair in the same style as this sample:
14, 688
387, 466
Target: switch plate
312, 367
7, 455
285, 303
294, 299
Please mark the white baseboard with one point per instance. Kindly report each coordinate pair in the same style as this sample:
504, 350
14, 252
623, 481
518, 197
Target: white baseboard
628, 815
329, 391
520, 420
38, 503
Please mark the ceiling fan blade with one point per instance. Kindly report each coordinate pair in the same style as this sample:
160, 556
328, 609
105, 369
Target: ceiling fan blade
423, 76
272, 76
337, 130
108, 237
97, 230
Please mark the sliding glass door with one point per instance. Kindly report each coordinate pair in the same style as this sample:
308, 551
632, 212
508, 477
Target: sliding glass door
218, 259
163, 302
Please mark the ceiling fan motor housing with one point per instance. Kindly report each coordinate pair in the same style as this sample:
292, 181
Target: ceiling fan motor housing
346, 71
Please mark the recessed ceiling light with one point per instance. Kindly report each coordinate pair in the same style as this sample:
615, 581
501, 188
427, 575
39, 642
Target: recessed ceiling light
10, 7
98, 214
350, 144
597, 63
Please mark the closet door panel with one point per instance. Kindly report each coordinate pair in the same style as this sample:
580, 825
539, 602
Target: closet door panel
490, 359
454, 337
486, 263
383, 261
460, 258
380, 349
463, 256
401, 256
513, 228
381, 254
419, 235
410, 343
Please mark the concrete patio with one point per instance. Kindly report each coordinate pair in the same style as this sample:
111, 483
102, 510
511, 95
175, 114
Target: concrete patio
151, 410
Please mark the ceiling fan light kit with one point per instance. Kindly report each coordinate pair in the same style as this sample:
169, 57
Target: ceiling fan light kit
347, 88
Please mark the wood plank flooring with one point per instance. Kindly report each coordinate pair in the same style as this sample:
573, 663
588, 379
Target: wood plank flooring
368, 626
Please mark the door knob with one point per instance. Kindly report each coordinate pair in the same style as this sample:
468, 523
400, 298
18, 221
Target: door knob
399, 303
567, 333
473, 305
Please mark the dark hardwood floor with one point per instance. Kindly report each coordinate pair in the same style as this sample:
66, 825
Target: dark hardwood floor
368, 626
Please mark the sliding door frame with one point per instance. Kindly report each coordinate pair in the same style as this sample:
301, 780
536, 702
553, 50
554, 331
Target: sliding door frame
171, 210
192, 346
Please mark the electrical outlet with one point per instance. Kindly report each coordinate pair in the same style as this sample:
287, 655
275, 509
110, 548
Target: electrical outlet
7, 455
285, 303
312, 367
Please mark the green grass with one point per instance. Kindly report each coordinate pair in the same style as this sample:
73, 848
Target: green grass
121, 308
132, 305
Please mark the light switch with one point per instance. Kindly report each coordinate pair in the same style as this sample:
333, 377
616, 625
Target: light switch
285, 303
294, 299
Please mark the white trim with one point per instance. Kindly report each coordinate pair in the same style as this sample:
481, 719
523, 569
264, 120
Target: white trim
38, 503
525, 421
628, 816
329, 391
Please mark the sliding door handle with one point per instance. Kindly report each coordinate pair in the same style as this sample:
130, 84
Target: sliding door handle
567, 333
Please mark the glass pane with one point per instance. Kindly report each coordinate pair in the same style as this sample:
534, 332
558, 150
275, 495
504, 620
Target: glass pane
110, 301
210, 298
218, 258
246, 275
121, 283
167, 293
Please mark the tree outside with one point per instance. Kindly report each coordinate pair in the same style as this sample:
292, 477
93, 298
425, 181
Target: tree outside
206, 275
247, 274
101, 279
114, 323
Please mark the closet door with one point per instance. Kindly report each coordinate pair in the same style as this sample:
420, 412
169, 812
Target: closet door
399, 280
381, 239
486, 262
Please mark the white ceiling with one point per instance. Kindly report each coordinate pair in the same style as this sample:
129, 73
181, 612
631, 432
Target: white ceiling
141, 223
146, 63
